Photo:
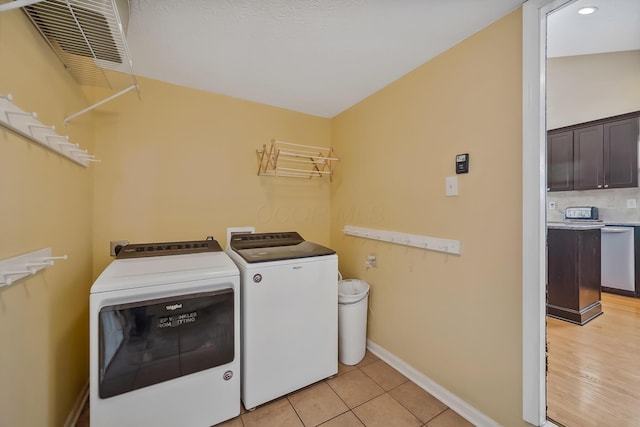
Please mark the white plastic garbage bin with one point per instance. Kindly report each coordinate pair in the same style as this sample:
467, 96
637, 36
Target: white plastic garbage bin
353, 297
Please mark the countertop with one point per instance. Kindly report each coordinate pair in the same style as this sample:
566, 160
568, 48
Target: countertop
575, 225
588, 224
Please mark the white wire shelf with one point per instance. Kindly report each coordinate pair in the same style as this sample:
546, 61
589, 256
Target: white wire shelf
291, 160
27, 125
87, 36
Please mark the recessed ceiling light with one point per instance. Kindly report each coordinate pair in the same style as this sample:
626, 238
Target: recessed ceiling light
587, 10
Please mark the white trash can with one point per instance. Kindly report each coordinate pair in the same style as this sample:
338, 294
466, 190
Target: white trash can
353, 298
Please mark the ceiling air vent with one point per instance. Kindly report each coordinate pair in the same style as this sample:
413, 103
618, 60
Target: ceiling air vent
89, 38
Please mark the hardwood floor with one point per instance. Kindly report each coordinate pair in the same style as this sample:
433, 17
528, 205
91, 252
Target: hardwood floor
594, 370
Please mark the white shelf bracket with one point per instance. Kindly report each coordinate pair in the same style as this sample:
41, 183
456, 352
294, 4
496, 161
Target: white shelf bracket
104, 101
17, 4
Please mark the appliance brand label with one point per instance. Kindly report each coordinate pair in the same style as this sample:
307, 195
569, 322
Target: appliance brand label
173, 307
257, 278
297, 267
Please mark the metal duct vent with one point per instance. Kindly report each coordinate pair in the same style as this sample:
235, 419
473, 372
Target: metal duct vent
88, 37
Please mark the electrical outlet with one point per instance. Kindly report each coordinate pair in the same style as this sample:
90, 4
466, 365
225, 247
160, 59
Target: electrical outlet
552, 205
372, 262
117, 244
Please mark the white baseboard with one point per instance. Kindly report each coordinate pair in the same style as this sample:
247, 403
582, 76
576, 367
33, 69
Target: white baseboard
465, 410
72, 419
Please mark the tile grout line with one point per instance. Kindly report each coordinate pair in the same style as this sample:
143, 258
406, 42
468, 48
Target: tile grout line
375, 397
390, 395
437, 415
409, 410
294, 409
345, 403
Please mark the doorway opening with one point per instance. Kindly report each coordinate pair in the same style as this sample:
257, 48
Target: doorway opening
540, 115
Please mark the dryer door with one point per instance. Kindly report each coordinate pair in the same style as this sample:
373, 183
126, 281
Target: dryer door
148, 342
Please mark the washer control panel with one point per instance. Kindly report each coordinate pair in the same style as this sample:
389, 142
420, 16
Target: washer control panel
139, 250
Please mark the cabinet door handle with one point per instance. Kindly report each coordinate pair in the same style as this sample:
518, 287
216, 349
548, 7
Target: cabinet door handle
606, 186
599, 186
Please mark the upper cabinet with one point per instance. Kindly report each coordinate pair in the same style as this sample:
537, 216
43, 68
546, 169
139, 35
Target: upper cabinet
588, 158
621, 153
595, 155
560, 161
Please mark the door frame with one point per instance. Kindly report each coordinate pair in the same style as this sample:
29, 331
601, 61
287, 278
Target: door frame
534, 194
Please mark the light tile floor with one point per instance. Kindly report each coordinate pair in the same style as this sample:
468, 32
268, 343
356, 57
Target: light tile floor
369, 394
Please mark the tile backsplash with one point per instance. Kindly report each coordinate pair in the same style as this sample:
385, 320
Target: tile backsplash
611, 203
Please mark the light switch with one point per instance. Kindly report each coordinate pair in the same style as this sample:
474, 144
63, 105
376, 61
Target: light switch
451, 186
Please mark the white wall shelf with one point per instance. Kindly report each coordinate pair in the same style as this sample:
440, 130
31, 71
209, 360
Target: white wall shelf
19, 267
415, 240
27, 126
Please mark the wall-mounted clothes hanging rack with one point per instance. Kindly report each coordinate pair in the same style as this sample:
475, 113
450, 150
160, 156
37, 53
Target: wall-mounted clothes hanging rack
295, 160
19, 267
27, 125
414, 240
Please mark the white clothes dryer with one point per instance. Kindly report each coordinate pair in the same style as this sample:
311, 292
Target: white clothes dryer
164, 337
289, 313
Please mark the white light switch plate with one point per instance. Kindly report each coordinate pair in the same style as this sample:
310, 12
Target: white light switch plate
451, 186
632, 203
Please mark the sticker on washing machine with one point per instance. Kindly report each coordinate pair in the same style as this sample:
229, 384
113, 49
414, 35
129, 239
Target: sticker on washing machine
177, 320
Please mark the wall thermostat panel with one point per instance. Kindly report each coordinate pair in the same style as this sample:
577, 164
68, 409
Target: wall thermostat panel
462, 163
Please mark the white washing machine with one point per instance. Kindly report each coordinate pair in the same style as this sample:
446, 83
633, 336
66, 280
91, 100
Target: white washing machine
164, 337
289, 313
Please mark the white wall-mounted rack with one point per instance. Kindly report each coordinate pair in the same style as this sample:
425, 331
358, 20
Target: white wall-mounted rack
19, 267
295, 160
27, 125
415, 240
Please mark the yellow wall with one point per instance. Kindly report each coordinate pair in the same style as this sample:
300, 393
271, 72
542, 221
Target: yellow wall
590, 87
457, 319
180, 164
46, 202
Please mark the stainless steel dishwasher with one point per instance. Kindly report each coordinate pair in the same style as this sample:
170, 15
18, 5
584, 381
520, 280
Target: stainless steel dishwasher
617, 258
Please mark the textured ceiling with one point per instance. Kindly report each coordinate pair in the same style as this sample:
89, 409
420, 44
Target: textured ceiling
322, 56
314, 56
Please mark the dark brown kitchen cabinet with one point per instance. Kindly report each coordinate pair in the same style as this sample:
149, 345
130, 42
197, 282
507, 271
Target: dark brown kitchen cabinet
603, 153
560, 161
574, 274
588, 158
621, 153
